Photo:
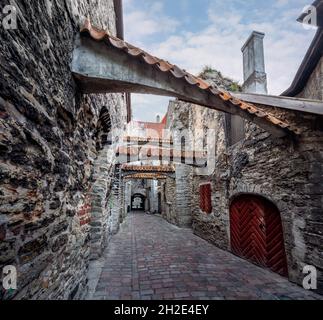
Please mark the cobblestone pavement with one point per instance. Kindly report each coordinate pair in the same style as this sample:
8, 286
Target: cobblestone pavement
150, 259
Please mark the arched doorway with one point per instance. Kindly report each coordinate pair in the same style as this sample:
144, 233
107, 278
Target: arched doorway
138, 202
257, 233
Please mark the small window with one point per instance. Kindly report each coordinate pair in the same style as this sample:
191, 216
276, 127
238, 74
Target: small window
235, 129
183, 146
205, 198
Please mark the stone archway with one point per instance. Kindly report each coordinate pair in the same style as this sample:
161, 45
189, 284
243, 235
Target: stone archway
256, 232
138, 202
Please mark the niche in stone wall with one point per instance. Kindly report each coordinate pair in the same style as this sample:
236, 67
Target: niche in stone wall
103, 133
206, 198
138, 202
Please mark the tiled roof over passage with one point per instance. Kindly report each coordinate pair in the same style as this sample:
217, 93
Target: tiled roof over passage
148, 168
177, 73
148, 176
145, 140
155, 152
152, 126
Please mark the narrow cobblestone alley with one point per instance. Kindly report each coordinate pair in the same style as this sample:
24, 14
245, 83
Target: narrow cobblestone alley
151, 259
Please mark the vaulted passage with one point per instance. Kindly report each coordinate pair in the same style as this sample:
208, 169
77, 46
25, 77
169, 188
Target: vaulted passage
257, 233
99, 201
138, 202
152, 259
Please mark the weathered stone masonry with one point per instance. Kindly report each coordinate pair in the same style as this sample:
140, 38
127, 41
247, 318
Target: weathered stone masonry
287, 171
48, 150
314, 87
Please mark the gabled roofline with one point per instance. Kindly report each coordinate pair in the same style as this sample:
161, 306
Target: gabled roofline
312, 57
308, 65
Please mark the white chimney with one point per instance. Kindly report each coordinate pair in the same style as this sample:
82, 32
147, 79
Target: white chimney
255, 77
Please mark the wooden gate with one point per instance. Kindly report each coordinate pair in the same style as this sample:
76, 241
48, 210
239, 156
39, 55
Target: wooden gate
257, 233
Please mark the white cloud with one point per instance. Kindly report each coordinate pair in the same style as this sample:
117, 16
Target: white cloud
147, 107
219, 44
281, 3
144, 23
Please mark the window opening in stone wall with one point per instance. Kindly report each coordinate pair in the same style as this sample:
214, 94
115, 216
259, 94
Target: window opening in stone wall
104, 126
205, 198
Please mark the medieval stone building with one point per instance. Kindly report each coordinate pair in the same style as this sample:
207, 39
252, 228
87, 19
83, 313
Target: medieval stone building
242, 168
255, 171
59, 198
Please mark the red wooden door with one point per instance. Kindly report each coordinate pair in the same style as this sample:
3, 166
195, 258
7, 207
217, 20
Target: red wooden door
257, 233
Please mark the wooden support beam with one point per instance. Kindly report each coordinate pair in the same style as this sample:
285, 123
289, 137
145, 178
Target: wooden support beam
102, 68
296, 104
131, 154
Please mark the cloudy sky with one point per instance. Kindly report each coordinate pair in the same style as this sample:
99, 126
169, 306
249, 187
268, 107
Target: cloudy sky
195, 33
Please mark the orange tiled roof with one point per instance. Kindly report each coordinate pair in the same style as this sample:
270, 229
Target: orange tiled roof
164, 120
148, 168
175, 71
151, 176
158, 127
155, 152
147, 140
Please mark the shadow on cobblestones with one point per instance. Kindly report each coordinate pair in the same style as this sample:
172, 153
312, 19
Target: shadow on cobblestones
150, 259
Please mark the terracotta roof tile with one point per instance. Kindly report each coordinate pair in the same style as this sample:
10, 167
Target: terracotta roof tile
142, 176
156, 152
165, 66
167, 169
154, 126
147, 140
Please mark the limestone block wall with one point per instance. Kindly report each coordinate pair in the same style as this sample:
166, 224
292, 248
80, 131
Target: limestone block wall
115, 203
153, 195
286, 171
290, 175
107, 210
198, 126
314, 86
183, 193
169, 209
47, 149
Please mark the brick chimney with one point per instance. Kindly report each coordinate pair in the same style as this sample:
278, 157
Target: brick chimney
255, 77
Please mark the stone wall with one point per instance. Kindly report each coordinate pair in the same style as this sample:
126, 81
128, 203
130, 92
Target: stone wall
48, 149
107, 208
169, 201
183, 196
314, 86
287, 171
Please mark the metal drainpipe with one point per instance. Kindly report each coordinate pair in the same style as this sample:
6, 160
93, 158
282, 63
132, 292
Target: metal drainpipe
118, 8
